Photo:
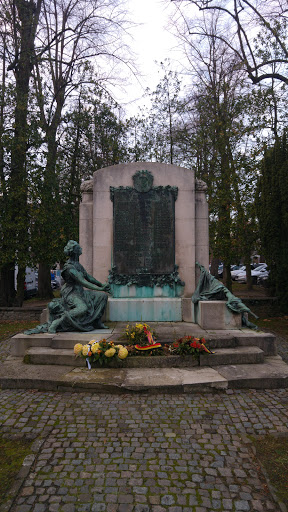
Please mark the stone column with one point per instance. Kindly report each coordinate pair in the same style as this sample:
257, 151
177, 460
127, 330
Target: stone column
202, 225
86, 225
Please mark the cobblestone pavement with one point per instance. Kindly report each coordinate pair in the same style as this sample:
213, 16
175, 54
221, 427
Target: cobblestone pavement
140, 453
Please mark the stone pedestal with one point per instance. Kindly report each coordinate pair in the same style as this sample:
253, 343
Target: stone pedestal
214, 315
146, 310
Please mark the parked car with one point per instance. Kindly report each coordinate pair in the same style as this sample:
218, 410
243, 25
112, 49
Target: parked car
31, 282
263, 278
255, 273
55, 279
237, 271
235, 267
55, 285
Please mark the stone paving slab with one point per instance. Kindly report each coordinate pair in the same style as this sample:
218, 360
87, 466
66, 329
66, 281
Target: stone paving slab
142, 453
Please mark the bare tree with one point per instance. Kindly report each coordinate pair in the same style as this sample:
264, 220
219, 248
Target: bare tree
255, 31
83, 44
219, 106
53, 40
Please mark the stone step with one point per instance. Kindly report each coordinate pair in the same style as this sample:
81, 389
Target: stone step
215, 340
14, 374
53, 356
66, 342
226, 356
233, 356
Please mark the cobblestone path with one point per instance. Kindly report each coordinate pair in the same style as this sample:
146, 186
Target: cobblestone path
139, 453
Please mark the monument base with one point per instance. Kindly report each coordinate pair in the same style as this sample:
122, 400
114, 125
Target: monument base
146, 292
144, 309
214, 314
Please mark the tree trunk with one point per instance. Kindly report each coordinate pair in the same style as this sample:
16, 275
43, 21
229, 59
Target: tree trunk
49, 220
227, 280
248, 273
44, 282
7, 286
214, 267
20, 287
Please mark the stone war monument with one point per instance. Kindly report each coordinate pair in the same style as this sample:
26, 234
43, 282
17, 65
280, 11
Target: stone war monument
143, 226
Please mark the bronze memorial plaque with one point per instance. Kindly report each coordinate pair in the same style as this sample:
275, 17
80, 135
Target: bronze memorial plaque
143, 229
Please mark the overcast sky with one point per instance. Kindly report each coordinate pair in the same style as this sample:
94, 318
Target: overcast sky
151, 42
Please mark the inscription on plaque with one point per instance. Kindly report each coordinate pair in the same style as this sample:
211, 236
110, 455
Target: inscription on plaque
144, 231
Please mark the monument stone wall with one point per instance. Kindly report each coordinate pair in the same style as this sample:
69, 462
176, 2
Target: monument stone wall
144, 225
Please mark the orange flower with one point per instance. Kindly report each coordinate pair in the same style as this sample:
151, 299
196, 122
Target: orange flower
90, 353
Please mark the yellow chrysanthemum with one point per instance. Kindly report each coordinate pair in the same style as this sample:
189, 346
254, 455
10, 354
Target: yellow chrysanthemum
78, 349
94, 348
118, 346
110, 352
85, 350
123, 353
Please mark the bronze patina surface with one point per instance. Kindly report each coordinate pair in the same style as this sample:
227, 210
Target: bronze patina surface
144, 232
77, 309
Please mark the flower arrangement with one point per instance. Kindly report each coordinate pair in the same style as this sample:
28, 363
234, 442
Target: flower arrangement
139, 334
103, 352
188, 345
100, 351
141, 340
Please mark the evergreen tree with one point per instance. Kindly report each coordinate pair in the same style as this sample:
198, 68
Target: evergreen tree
272, 210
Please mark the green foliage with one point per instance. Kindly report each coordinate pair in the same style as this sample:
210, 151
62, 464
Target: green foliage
156, 134
222, 106
93, 135
272, 211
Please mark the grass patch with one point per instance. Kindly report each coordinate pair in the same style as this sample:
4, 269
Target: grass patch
278, 325
12, 454
272, 452
242, 289
8, 328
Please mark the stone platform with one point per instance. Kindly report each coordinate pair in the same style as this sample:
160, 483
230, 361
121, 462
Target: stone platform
242, 359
